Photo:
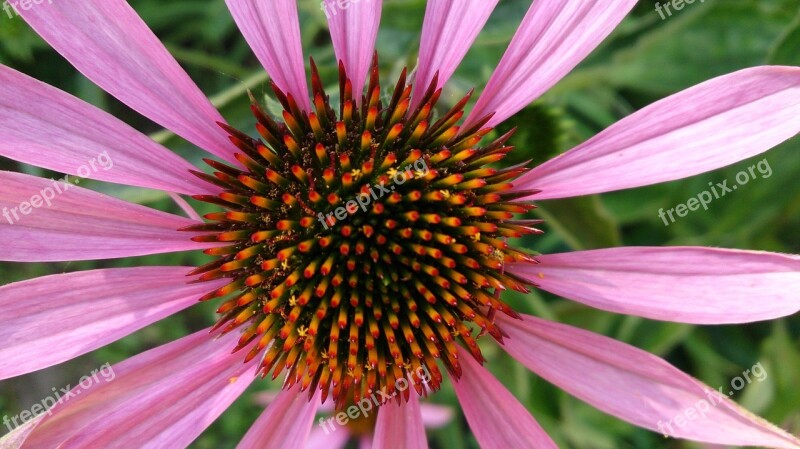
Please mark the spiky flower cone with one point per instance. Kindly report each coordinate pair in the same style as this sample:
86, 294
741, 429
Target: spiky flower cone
365, 246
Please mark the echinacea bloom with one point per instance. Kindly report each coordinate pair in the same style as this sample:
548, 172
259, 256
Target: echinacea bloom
344, 305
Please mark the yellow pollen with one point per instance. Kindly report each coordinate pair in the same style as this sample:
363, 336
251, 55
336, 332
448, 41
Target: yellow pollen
302, 332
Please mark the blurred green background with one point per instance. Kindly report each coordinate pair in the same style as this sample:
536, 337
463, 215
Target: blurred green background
645, 59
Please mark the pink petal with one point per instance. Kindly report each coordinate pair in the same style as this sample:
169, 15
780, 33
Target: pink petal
15, 438
320, 439
354, 28
709, 126
163, 398
185, 207
400, 426
80, 224
273, 31
109, 43
285, 424
634, 385
682, 284
44, 126
554, 37
448, 32
496, 417
52, 319
265, 398
435, 416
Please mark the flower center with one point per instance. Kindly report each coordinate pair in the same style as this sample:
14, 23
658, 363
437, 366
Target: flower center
366, 245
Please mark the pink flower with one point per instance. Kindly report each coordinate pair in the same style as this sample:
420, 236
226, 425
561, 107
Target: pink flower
351, 305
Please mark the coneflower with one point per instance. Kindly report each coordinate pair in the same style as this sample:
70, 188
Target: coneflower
347, 305
365, 244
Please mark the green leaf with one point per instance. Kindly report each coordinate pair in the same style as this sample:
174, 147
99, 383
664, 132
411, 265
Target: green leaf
583, 222
786, 50
540, 133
